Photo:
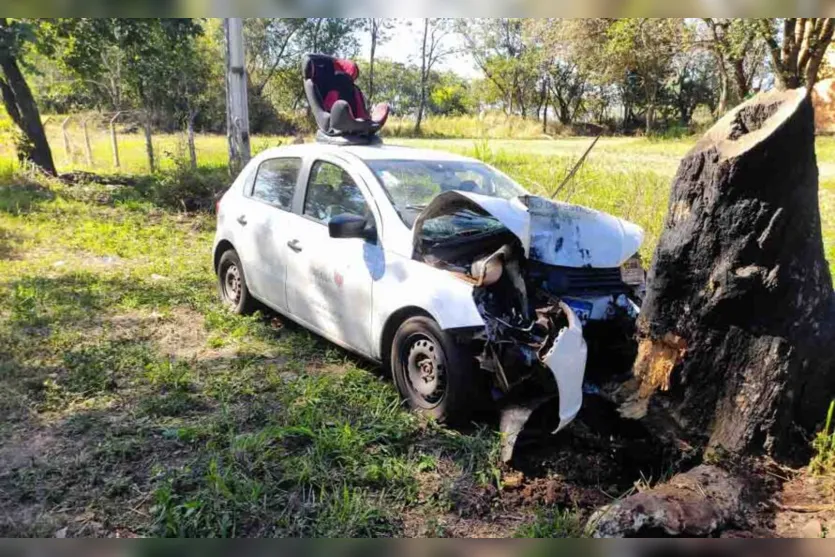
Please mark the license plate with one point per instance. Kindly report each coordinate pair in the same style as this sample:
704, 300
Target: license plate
581, 308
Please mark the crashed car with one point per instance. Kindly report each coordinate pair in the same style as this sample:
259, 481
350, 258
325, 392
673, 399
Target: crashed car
469, 288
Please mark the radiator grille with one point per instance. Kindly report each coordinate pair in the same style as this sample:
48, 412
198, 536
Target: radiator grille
563, 280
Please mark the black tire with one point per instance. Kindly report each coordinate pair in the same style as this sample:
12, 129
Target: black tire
231, 283
434, 374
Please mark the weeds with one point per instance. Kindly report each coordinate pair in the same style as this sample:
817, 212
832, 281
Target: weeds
553, 523
824, 447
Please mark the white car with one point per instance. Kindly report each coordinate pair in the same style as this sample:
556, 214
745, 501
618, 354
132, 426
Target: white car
439, 266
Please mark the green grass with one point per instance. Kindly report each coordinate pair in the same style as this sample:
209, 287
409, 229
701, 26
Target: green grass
823, 461
134, 404
553, 523
144, 394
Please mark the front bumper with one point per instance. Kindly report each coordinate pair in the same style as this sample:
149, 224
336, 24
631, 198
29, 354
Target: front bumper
567, 361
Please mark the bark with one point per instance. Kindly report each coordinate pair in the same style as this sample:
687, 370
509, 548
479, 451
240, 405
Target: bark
21, 107
192, 151
797, 60
701, 502
149, 144
374, 33
738, 321
423, 77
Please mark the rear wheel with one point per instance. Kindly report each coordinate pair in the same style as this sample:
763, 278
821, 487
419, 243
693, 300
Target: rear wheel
434, 374
232, 284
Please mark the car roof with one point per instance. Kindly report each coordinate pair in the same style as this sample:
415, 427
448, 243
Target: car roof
367, 152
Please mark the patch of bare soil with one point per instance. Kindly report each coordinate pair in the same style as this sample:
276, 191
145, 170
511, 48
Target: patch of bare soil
805, 508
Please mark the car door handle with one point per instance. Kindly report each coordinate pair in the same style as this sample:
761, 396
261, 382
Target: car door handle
241, 220
294, 245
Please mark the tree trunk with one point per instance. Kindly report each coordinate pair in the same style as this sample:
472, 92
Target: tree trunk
738, 323
149, 144
423, 77
371, 63
740, 79
192, 151
21, 108
699, 503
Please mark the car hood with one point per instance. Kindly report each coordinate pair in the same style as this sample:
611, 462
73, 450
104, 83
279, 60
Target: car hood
551, 232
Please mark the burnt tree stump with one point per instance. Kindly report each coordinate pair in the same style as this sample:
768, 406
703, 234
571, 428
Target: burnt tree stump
737, 330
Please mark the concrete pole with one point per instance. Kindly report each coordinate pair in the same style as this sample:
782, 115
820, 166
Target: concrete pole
237, 111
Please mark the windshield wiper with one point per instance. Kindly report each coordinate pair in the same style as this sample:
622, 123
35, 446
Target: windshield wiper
415, 207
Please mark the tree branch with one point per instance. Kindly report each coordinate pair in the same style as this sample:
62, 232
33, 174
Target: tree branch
766, 31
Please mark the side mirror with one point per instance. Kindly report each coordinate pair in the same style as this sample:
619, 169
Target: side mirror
351, 226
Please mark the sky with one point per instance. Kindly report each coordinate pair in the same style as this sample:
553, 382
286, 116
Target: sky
404, 46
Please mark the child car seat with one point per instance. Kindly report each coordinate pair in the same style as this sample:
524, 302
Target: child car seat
337, 103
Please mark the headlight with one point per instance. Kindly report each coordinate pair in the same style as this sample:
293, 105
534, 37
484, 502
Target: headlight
632, 273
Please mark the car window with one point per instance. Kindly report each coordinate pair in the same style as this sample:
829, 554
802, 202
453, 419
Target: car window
332, 192
275, 181
413, 184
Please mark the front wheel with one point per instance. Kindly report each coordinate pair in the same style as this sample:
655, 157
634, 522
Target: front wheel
232, 284
434, 374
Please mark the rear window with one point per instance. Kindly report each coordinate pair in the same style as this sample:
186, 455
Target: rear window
275, 181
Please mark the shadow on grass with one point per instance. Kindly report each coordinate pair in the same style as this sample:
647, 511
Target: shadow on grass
181, 189
244, 443
9, 241
23, 198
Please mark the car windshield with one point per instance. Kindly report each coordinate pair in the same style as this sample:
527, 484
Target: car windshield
413, 184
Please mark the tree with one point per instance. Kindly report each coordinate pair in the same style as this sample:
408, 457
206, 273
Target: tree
433, 48
739, 53
512, 66
397, 83
643, 49
737, 325
797, 61
17, 97
450, 95
693, 83
378, 29
565, 79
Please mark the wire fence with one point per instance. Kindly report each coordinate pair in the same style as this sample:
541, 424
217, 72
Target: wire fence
125, 141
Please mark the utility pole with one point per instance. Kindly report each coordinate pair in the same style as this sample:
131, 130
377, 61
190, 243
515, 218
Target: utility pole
237, 111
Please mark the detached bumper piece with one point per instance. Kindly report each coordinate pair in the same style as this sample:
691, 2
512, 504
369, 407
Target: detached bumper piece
565, 358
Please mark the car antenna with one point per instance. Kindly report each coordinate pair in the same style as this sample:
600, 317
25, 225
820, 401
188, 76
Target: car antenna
577, 166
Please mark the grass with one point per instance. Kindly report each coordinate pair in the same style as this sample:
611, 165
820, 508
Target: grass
140, 392
823, 462
553, 523
134, 404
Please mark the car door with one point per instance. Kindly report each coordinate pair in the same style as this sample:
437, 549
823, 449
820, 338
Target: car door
266, 222
329, 280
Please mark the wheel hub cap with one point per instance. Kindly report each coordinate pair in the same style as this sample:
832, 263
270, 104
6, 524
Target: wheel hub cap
426, 373
233, 284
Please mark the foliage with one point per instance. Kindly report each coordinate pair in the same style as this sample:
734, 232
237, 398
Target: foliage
553, 523
824, 446
510, 63
796, 47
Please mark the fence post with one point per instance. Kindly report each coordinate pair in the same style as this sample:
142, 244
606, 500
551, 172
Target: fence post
149, 146
66, 139
87, 148
113, 142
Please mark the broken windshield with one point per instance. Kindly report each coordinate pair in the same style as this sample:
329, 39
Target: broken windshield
412, 184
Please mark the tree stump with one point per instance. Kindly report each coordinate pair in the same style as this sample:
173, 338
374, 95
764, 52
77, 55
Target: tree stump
737, 330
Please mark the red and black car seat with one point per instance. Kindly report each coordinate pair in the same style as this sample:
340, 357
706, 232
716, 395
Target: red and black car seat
337, 103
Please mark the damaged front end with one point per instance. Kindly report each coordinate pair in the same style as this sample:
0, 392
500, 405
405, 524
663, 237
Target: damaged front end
534, 309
